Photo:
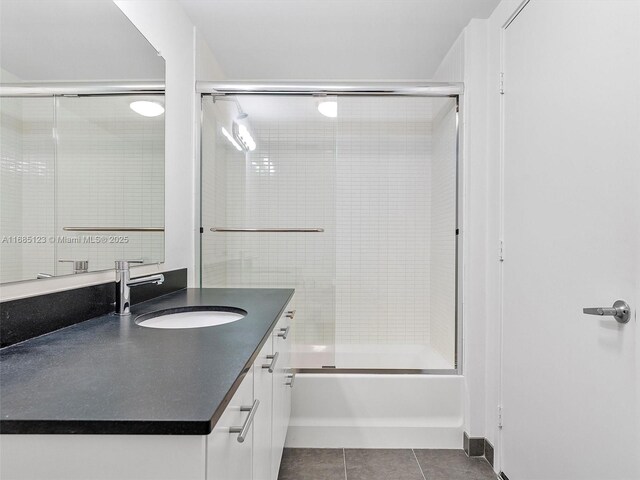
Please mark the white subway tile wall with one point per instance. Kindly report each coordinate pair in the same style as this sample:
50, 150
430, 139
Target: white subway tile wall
384, 220
27, 182
366, 179
87, 162
216, 152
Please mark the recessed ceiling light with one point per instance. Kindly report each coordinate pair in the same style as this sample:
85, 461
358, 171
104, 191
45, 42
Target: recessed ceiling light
328, 108
146, 108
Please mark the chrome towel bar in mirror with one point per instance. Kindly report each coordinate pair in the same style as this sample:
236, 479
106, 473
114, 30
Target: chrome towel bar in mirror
113, 229
269, 230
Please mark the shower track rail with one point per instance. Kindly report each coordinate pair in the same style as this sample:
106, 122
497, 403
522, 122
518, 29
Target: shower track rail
410, 89
48, 89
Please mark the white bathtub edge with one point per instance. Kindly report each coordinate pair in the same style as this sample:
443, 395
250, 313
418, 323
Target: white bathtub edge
345, 411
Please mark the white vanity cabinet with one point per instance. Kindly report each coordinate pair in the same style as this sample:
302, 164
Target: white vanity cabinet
259, 456
229, 452
282, 384
263, 374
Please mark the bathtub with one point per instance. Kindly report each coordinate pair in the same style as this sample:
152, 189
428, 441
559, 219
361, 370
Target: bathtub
333, 410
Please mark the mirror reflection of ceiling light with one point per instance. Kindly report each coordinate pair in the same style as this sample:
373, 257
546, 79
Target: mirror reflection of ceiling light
228, 136
328, 106
146, 108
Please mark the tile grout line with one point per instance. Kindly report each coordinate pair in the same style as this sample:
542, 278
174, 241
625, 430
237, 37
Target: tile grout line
344, 461
418, 462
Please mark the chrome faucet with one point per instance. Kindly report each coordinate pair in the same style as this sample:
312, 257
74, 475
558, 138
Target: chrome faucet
124, 282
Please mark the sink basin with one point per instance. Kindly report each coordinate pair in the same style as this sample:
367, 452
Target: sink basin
190, 317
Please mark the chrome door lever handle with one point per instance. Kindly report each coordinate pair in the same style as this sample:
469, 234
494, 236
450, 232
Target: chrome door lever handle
620, 310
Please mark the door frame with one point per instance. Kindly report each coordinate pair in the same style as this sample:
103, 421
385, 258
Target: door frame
501, 223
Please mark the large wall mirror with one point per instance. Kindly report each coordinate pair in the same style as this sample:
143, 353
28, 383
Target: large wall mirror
81, 140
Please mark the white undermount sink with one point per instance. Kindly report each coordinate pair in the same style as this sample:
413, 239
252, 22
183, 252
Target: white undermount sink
190, 317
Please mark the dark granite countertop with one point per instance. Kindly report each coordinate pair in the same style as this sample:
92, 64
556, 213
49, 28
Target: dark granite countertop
108, 375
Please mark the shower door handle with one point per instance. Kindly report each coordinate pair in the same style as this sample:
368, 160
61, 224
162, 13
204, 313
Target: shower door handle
620, 310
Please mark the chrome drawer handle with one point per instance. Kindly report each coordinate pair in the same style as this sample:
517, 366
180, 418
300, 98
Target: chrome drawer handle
244, 429
274, 359
284, 333
292, 379
291, 314
620, 310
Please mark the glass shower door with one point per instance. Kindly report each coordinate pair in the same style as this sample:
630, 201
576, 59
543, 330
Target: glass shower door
268, 193
353, 204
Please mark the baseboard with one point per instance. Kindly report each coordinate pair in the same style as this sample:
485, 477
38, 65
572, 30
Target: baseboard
478, 447
305, 436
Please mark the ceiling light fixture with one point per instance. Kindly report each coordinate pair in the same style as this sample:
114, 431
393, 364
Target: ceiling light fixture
146, 108
328, 106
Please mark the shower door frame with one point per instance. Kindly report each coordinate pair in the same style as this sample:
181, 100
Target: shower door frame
454, 90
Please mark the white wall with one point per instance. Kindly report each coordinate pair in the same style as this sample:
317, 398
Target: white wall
457, 66
480, 49
477, 253
171, 32
475, 59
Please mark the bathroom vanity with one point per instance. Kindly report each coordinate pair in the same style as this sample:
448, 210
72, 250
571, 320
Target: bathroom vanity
110, 398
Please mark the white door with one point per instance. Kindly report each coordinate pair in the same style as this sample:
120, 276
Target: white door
571, 233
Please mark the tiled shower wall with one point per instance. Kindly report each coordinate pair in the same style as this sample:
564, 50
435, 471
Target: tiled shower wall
216, 153
383, 227
27, 182
103, 167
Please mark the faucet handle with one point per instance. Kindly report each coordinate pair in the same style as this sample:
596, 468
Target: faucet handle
79, 266
124, 264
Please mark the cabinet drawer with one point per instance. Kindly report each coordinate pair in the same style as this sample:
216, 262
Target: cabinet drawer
228, 458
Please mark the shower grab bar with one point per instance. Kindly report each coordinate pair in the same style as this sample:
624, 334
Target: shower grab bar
113, 229
269, 230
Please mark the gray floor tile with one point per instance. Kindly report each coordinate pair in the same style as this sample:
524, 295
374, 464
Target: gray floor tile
381, 465
312, 464
453, 465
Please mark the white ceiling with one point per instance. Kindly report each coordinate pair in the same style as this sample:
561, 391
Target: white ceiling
47, 40
332, 39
